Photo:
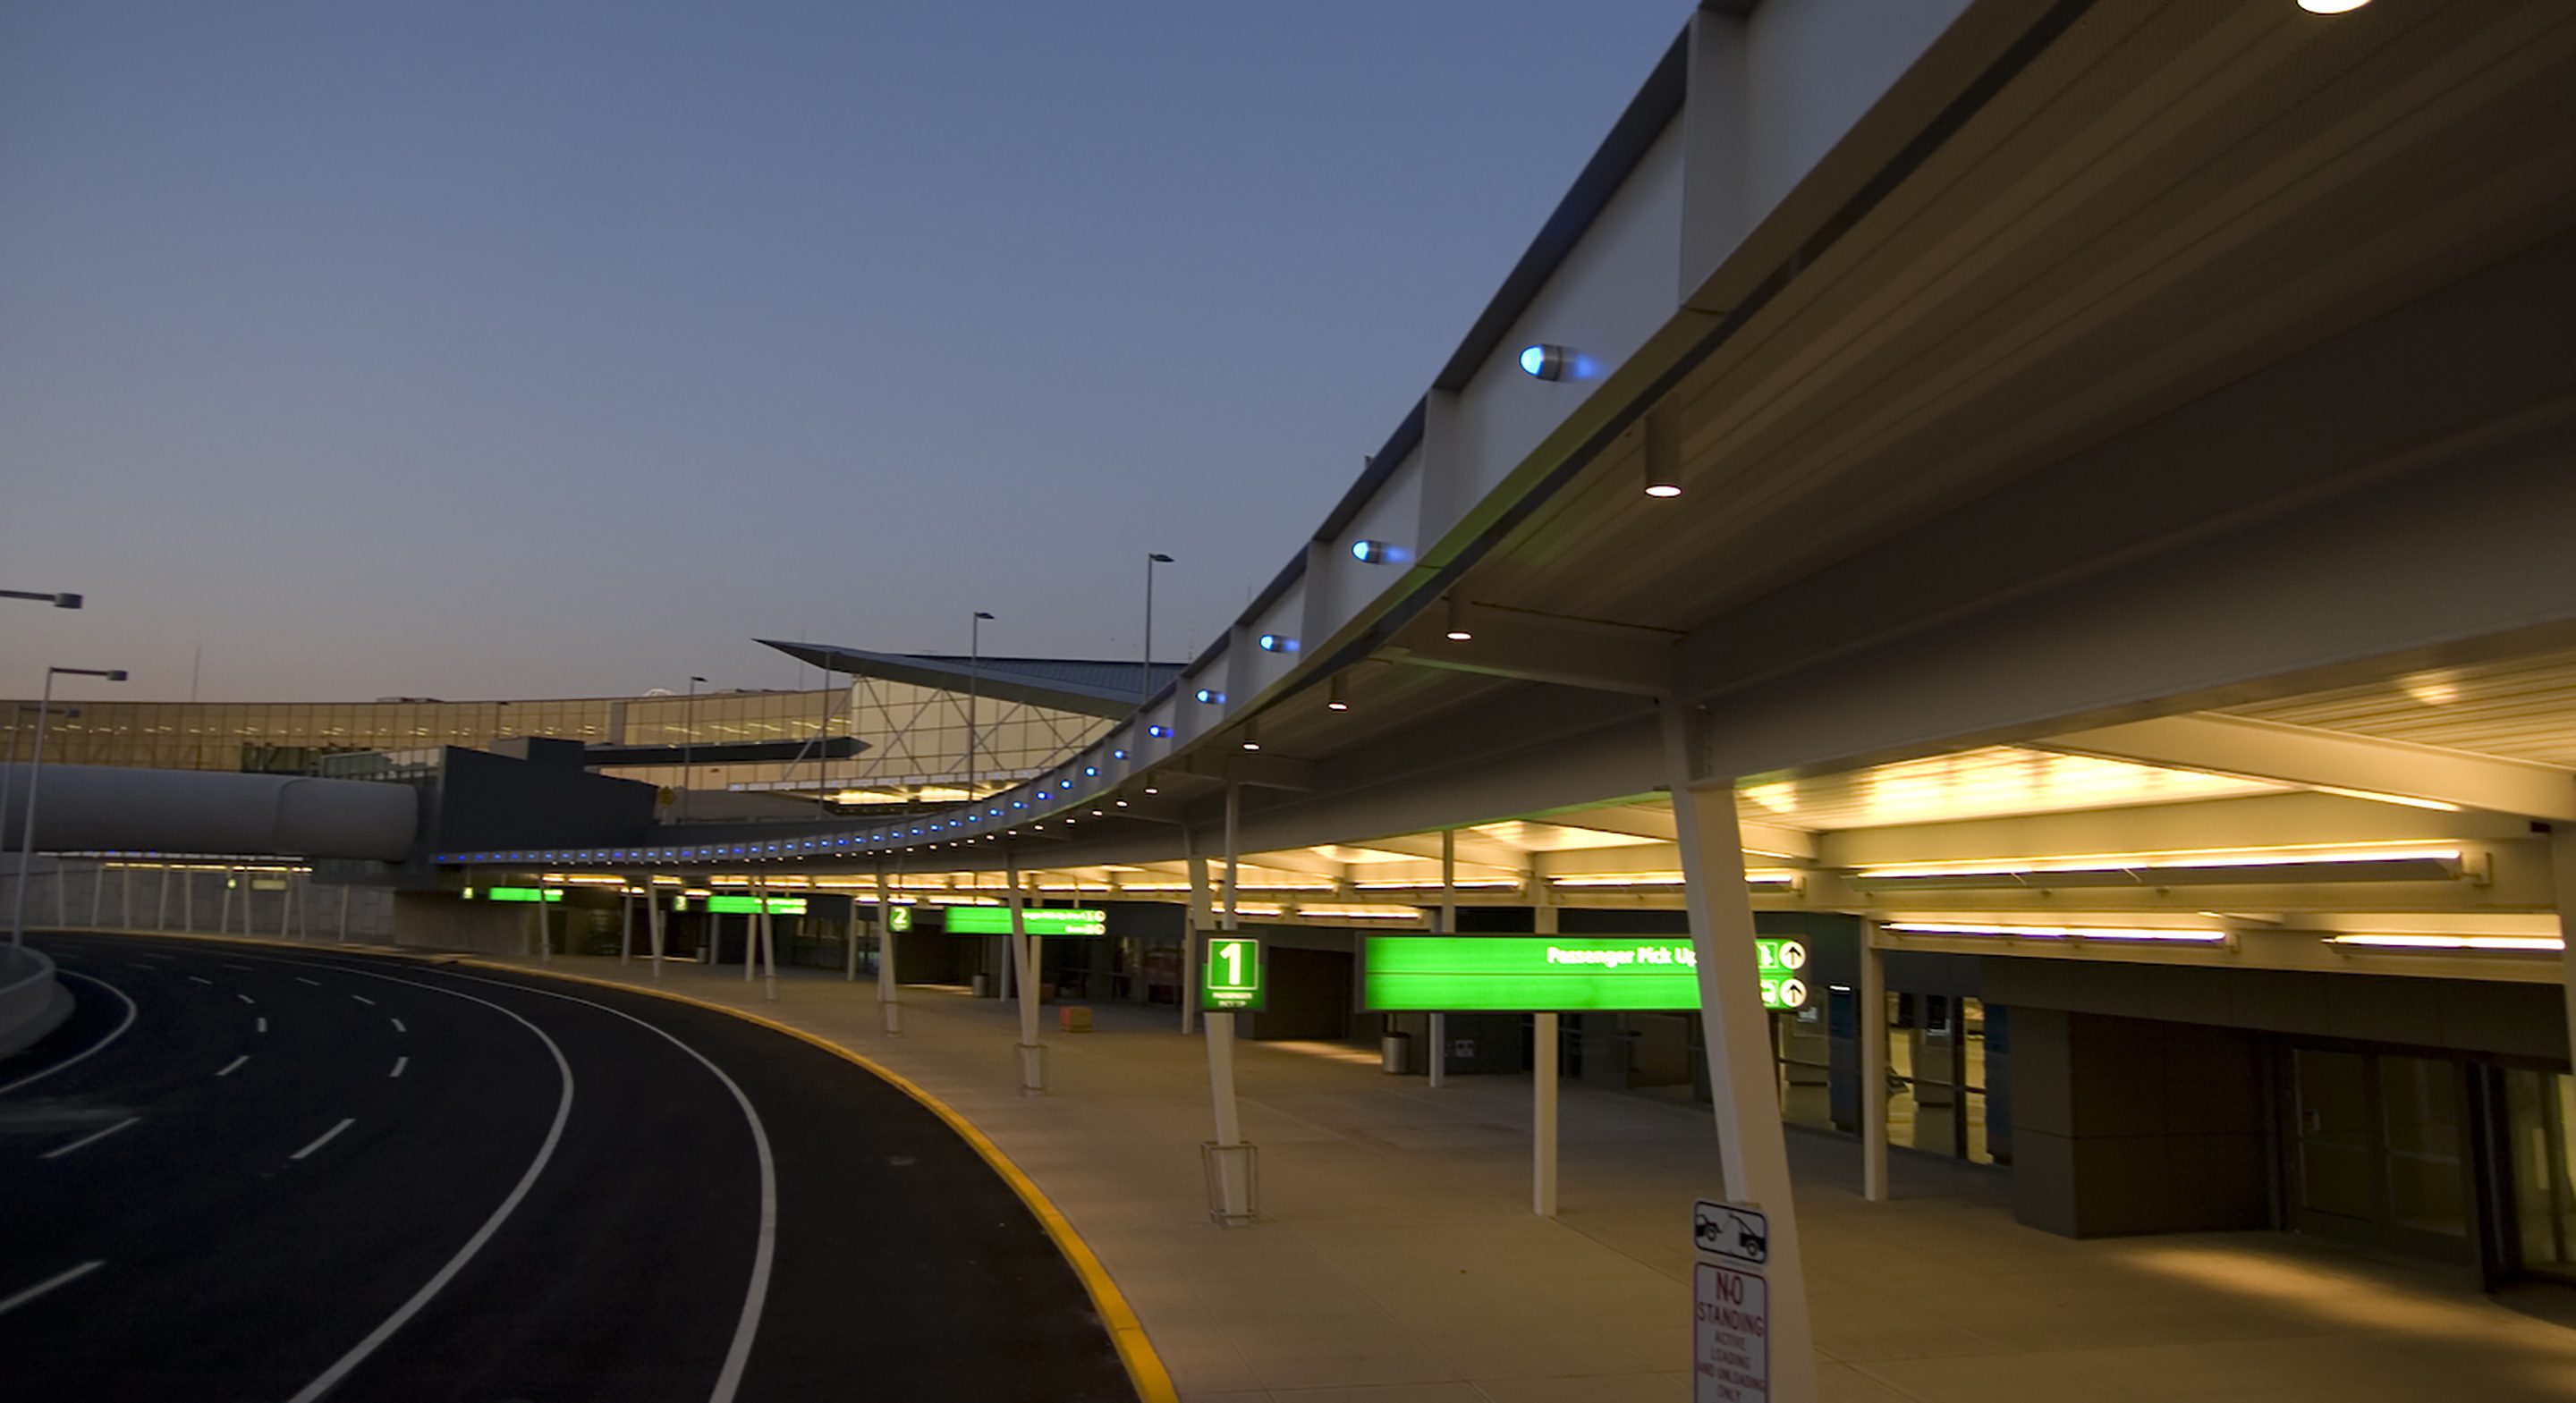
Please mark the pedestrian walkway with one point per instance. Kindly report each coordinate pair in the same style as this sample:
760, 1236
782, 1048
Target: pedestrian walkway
1397, 1260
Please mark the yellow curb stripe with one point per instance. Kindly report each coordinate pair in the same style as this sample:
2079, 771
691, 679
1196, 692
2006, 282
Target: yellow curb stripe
1144, 1366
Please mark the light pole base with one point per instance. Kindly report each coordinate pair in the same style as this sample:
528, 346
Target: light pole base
893, 1017
1032, 1069
1233, 1182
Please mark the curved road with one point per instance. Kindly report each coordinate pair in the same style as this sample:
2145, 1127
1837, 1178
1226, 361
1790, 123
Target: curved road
259, 1173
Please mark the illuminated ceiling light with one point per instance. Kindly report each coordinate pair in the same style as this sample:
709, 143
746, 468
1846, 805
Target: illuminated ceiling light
1117, 755
1210, 696
1544, 362
1159, 732
1458, 632
1335, 696
1251, 739
2529, 943
2187, 937
1372, 552
1123, 803
1661, 458
1090, 771
1277, 643
1152, 790
2331, 7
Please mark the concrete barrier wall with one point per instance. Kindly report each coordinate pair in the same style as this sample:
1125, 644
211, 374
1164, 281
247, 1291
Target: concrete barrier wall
32, 1002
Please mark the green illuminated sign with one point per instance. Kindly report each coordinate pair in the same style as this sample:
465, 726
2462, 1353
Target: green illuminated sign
733, 904
513, 894
1550, 974
898, 919
1231, 978
1037, 920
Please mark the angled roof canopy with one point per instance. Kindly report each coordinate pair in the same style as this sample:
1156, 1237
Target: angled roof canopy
1089, 686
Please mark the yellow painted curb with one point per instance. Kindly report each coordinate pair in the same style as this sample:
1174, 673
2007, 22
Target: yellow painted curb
1144, 1367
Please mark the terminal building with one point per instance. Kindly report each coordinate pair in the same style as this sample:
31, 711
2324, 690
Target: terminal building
1994, 584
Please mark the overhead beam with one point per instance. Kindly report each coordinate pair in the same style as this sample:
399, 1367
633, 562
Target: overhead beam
1538, 648
2272, 750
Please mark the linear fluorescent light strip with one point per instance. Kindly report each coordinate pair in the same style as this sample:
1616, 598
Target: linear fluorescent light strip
2548, 943
2186, 937
2137, 862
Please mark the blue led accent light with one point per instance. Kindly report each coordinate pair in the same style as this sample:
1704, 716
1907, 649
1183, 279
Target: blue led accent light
1277, 643
1375, 552
1544, 362
1088, 771
1211, 696
1117, 755
1018, 804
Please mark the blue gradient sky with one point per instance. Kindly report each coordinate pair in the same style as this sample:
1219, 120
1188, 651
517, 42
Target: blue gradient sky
483, 349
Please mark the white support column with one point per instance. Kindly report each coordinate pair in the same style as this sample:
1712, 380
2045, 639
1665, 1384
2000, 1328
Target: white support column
1234, 1193
653, 927
97, 895
750, 936
1543, 1078
161, 901
1753, 1152
1201, 916
1439, 1050
1024, 951
345, 893
545, 935
2562, 853
1872, 1030
889, 993
850, 944
188, 902
768, 944
125, 896
1543, 1116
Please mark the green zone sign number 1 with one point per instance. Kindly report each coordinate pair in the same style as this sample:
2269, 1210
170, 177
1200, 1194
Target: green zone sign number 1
1232, 979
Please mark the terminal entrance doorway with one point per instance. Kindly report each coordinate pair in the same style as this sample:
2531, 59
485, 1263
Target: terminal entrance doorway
2450, 1159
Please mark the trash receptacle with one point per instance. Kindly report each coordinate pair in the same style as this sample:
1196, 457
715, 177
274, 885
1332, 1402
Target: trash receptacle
983, 985
1394, 1053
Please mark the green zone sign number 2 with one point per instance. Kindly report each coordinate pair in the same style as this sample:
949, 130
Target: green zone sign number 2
1232, 979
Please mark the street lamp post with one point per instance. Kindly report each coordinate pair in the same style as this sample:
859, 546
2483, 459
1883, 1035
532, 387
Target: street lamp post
35, 768
974, 680
1145, 673
59, 601
688, 741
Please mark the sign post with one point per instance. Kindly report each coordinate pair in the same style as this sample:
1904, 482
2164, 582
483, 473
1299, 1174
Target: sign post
1730, 1304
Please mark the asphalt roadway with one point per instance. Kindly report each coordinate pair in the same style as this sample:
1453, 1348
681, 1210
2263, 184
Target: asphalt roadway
263, 1174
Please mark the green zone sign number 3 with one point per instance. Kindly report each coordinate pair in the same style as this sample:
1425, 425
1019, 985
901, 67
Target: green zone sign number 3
1232, 979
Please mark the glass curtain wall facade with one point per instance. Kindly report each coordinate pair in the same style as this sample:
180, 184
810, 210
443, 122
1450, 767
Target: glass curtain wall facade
916, 736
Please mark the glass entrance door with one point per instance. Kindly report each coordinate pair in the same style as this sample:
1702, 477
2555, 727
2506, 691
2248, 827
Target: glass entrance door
2380, 1148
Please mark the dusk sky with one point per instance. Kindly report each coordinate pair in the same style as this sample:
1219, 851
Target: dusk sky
490, 350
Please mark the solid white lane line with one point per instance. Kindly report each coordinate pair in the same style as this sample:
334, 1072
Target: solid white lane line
756, 1296
263, 1024
245, 998
399, 1028
113, 1034
90, 1139
364, 1000
234, 1065
399, 1064
316, 983
48, 1284
327, 1137
429, 1290
199, 979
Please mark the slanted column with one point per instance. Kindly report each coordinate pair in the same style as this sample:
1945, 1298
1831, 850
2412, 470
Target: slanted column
1448, 926
1753, 1153
1543, 1083
889, 994
346, 892
1231, 1162
768, 941
1201, 916
625, 926
2562, 854
161, 901
653, 925
1872, 1031
1024, 955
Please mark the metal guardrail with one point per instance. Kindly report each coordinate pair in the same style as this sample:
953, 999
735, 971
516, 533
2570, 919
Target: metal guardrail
26, 990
